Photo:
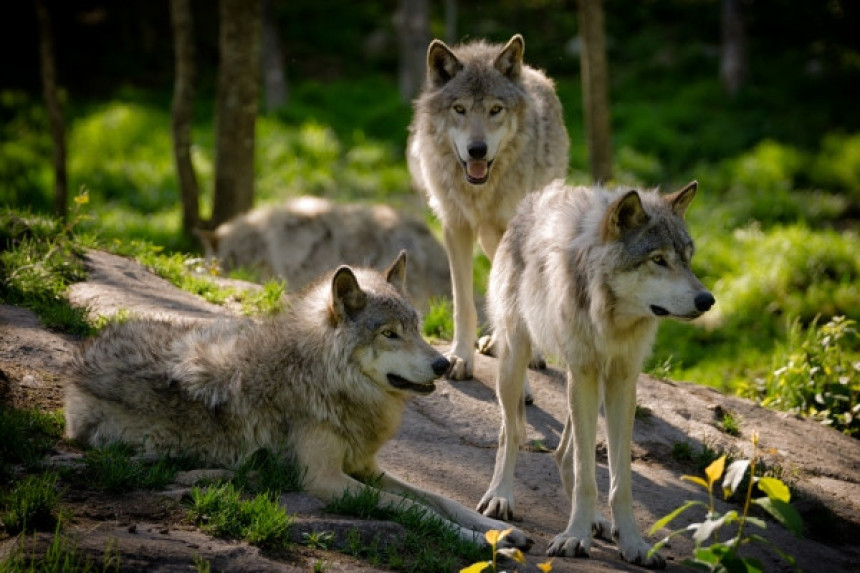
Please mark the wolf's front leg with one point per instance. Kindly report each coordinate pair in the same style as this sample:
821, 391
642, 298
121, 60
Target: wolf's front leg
458, 242
583, 403
498, 501
620, 401
455, 512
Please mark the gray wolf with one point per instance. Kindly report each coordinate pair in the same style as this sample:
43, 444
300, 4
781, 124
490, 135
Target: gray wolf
302, 238
487, 130
585, 273
324, 383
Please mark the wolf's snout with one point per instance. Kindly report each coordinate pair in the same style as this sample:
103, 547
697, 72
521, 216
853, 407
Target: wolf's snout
704, 301
440, 366
477, 149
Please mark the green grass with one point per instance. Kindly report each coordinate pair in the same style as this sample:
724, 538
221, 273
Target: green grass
114, 469
61, 556
224, 511
25, 437
31, 504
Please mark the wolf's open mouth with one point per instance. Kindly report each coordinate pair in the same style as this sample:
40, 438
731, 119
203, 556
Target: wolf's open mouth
477, 170
404, 384
659, 310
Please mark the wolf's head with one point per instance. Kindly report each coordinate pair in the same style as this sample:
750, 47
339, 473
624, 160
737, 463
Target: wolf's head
651, 275
478, 86
382, 329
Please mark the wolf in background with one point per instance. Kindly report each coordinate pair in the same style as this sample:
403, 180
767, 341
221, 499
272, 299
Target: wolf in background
487, 130
325, 384
585, 273
304, 237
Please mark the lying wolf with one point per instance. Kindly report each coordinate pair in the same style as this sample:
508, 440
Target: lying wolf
302, 238
585, 274
325, 384
487, 130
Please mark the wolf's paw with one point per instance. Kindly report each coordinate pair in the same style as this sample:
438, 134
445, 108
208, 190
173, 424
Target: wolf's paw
537, 362
487, 345
495, 506
518, 539
636, 551
461, 368
565, 545
602, 529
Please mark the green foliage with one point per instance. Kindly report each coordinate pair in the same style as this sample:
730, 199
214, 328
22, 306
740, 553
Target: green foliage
816, 375
723, 556
38, 260
223, 511
31, 504
25, 437
115, 469
439, 320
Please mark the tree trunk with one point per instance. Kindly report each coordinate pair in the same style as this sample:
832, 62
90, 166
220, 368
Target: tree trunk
236, 107
451, 21
55, 113
595, 89
183, 101
275, 91
412, 23
733, 52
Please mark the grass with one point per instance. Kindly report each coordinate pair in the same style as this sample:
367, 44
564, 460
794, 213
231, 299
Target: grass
25, 437
115, 469
31, 504
224, 511
61, 556
429, 543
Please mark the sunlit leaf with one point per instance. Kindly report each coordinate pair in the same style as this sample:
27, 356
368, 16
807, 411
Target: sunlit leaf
546, 566
696, 479
715, 470
477, 567
492, 536
734, 476
783, 513
663, 521
774, 489
711, 524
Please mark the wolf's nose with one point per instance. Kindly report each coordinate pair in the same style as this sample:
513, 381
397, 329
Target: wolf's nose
477, 149
704, 300
440, 366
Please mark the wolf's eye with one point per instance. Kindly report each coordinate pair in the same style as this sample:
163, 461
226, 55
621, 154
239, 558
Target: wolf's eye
388, 333
459, 109
659, 260
496, 110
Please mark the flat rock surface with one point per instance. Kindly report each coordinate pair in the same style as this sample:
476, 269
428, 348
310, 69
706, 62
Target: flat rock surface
447, 443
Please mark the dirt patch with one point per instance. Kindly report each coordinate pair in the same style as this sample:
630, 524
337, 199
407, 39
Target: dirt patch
447, 443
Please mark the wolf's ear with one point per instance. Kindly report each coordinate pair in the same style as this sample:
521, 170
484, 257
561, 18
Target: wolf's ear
347, 298
442, 64
509, 62
623, 215
395, 274
680, 200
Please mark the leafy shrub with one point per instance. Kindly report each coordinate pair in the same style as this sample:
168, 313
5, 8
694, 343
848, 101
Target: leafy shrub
818, 375
722, 556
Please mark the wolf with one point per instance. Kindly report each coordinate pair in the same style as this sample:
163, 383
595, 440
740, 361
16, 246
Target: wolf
584, 273
325, 384
487, 129
300, 239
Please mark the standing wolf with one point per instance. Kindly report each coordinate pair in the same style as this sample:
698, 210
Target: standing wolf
585, 273
487, 130
325, 384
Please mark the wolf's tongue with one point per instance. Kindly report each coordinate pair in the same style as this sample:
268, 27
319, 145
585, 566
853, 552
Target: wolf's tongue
477, 169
